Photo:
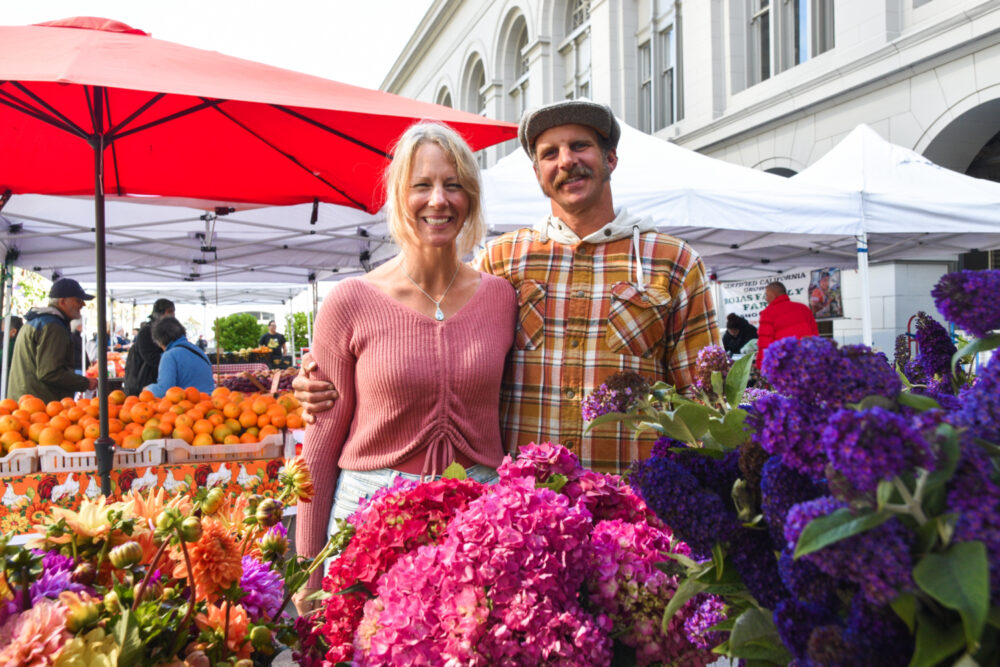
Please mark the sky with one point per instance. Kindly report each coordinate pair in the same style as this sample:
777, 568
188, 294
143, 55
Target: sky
345, 40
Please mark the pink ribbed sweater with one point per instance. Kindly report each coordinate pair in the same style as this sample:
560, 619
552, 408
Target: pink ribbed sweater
407, 383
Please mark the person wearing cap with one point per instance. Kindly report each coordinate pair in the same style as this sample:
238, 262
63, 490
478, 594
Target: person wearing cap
599, 291
42, 363
142, 365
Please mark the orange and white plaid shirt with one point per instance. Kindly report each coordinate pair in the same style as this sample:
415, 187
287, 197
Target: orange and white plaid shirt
582, 318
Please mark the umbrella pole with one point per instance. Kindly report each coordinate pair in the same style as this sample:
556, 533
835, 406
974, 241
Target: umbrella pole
104, 445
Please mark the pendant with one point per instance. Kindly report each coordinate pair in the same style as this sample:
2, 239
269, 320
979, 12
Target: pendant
438, 314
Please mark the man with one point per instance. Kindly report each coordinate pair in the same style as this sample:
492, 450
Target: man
202, 343
274, 341
782, 318
15, 325
599, 292
43, 354
143, 362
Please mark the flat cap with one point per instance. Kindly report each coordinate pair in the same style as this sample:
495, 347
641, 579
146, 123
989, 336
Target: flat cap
598, 117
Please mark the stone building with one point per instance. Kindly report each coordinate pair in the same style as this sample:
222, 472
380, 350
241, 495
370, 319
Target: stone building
768, 84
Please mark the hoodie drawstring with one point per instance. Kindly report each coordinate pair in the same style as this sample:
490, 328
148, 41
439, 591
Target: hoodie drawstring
639, 282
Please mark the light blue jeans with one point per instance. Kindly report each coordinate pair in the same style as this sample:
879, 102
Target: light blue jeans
353, 485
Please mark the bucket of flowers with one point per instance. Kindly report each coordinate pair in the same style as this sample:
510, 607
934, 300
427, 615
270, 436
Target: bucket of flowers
851, 516
553, 564
188, 581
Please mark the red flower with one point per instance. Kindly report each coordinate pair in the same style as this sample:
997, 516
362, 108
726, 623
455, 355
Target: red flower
273, 466
201, 474
125, 479
45, 487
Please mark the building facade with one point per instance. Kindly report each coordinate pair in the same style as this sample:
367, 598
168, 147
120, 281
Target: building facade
768, 84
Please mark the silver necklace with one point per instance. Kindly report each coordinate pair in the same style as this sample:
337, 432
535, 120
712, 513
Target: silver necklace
438, 314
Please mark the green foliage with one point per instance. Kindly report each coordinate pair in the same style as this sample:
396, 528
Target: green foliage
237, 331
30, 289
298, 333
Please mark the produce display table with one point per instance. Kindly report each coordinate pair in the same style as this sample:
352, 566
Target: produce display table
233, 369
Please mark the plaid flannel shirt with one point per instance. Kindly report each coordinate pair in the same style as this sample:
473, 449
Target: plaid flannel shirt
581, 319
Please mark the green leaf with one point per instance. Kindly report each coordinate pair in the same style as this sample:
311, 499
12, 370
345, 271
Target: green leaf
825, 530
455, 470
356, 587
610, 418
884, 492
736, 381
717, 383
935, 643
730, 431
876, 401
975, 347
687, 590
994, 617
916, 401
126, 633
902, 378
754, 636
959, 580
682, 559
556, 483
770, 652
905, 606
695, 417
718, 560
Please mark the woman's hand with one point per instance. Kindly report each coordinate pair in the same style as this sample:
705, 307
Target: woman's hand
302, 605
315, 395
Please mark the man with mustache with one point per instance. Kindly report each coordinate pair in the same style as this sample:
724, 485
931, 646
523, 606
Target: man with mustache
599, 292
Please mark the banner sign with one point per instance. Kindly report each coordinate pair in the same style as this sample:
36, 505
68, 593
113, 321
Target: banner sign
746, 297
825, 298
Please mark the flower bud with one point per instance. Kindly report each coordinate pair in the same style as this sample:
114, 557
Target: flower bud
82, 610
245, 662
197, 659
125, 555
85, 573
213, 500
260, 637
167, 519
191, 529
153, 591
297, 479
269, 512
274, 543
111, 602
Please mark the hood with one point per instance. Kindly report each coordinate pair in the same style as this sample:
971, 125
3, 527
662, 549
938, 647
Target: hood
624, 225
44, 310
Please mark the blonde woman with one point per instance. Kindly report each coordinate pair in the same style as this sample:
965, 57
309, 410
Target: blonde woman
415, 348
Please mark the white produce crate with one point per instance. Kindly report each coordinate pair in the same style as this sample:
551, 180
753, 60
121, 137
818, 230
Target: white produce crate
55, 459
19, 462
271, 447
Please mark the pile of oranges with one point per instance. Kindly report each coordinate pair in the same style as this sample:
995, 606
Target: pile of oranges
222, 417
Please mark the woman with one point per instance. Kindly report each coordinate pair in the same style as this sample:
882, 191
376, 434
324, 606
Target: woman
182, 363
739, 332
416, 347
143, 358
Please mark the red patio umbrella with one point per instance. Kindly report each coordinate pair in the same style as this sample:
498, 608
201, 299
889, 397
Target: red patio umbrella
90, 106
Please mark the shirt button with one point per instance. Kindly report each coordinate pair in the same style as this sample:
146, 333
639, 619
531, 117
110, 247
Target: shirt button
568, 444
607, 232
570, 393
574, 343
579, 293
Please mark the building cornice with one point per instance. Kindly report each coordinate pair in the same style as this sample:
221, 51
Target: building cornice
431, 26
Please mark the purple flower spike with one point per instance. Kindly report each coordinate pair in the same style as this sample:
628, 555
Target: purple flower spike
967, 299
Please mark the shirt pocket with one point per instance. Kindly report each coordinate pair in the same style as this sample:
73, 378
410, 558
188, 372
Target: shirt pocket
637, 321
530, 316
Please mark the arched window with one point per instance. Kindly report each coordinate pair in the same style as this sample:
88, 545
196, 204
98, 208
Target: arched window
575, 50
444, 98
516, 69
475, 81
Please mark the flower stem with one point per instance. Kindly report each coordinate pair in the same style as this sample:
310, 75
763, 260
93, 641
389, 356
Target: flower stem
191, 585
149, 573
911, 502
324, 553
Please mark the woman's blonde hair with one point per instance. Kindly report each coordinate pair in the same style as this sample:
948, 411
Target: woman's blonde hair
400, 170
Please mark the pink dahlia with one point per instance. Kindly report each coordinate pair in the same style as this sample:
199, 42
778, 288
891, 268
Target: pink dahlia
34, 637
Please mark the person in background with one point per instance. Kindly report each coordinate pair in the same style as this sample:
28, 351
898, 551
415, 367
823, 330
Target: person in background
76, 327
273, 340
782, 318
15, 326
415, 347
42, 363
739, 332
143, 361
202, 343
182, 363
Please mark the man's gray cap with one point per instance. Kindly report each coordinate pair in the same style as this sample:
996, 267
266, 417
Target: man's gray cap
598, 117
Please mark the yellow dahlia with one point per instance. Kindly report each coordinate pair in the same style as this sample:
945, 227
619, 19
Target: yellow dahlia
297, 480
215, 559
89, 522
94, 649
34, 637
215, 620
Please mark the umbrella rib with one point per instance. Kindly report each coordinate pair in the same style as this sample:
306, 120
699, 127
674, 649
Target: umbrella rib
346, 137
159, 121
291, 158
113, 131
20, 105
114, 151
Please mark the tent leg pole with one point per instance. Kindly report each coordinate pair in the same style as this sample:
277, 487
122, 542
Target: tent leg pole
866, 292
104, 445
7, 294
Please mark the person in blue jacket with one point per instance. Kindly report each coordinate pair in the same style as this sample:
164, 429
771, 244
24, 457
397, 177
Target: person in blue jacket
183, 364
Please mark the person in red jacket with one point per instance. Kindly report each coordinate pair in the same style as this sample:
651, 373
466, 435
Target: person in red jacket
782, 318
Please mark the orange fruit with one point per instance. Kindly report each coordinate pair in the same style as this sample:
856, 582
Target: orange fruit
164, 405
186, 404
175, 395
74, 414
234, 425
279, 420
231, 440
248, 437
203, 426
177, 410
73, 433
288, 402
68, 403
21, 445
220, 432
53, 408
92, 431
146, 396
193, 394
141, 413
259, 406
183, 421
131, 441
9, 404
236, 397
60, 422
202, 440
10, 437
248, 418
85, 445
266, 431
166, 428
40, 417
35, 430
264, 420
83, 402
217, 419
117, 397
254, 431
294, 421
68, 446
94, 410
115, 426
152, 421
183, 433
31, 404
9, 423
50, 436
152, 433
231, 410
221, 391
21, 414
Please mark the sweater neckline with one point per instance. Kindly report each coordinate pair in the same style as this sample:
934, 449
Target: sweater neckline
418, 314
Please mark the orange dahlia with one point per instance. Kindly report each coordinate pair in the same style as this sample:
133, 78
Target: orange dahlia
215, 620
146, 507
215, 559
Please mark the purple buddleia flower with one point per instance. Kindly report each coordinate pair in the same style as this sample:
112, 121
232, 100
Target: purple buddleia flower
975, 498
717, 475
980, 404
709, 610
796, 621
791, 429
806, 582
618, 394
968, 299
934, 347
753, 557
863, 372
264, 589
901, 353
710, 359
781, 487
696, 515
872, 445
877, 560
876, 637
827, 648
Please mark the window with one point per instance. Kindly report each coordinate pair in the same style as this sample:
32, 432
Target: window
579, 13
658, 68
786, 33
475, 96
665, 72
645, 88
575, 50
518, 92
444, 98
